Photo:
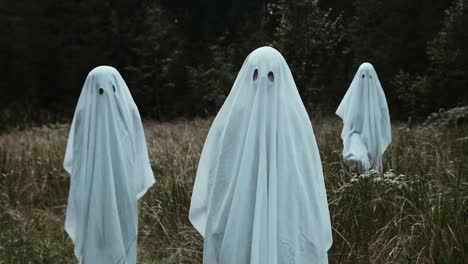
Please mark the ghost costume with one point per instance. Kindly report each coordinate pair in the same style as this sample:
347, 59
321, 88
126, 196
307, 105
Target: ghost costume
259, 194
366, 122
107, 160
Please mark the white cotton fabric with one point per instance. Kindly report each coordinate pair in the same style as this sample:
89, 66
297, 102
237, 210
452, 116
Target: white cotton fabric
107, 160
259, 194
366, 122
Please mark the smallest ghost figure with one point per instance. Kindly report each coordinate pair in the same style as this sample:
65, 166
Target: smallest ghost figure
366, 121
108, 162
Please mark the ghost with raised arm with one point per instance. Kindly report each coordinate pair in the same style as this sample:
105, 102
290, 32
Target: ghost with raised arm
366, 121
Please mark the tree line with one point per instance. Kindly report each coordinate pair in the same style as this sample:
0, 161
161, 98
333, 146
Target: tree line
180, 57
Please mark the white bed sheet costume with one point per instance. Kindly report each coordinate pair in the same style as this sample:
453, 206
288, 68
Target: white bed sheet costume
366, 121
259, 196
108, 162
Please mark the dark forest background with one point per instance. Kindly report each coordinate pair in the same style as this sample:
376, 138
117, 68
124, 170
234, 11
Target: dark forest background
180, 57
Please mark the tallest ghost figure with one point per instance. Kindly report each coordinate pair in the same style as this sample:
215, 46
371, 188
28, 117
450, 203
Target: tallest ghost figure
259, 195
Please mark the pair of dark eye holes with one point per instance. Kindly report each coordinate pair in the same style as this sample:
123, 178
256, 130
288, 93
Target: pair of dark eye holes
101, 90
365, 76
271, 76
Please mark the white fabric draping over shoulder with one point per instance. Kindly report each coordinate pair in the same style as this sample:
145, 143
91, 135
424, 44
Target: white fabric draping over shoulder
366, 121
107, 160
259, 195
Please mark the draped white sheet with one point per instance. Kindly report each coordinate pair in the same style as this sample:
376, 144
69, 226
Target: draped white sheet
259, 195
366, 122
107, 160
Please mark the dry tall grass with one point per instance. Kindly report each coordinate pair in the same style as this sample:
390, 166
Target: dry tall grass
417, 212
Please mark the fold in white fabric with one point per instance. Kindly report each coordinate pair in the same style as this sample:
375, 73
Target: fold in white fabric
108, 162
259, 194
366, 122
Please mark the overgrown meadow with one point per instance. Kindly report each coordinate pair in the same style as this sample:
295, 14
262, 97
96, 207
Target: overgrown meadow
416, 212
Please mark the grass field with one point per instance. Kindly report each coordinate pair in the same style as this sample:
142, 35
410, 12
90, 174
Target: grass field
416, 212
